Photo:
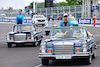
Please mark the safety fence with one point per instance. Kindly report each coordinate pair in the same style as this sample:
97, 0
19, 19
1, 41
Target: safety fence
80, 21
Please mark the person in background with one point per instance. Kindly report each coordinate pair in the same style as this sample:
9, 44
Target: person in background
59, 18
51, 19
19, 18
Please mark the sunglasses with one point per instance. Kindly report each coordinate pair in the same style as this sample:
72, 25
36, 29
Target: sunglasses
65, 16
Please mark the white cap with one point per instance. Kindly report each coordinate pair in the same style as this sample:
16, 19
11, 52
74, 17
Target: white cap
65, 14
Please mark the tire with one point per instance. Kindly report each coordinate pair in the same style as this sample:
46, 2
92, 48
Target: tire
89, 60
47, 33
9, 45
94, 55
39, 42
45, 61
36, 44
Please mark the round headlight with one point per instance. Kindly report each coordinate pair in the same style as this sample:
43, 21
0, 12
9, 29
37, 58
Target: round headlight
42, 47
84, 47
42, 51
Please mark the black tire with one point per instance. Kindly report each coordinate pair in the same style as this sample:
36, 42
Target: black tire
39, 42
76, 25
47, 33
89, 60
94, 55
45, 61
35, 44
9, 45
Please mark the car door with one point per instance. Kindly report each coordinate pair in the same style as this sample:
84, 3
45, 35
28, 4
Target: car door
91, 42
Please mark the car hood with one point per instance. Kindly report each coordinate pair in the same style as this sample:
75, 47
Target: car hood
74, 41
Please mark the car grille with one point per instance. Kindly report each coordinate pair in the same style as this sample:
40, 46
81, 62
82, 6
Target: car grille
63, 49
20, 37
41, 20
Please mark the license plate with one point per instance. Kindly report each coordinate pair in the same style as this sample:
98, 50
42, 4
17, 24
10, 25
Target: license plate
63, 57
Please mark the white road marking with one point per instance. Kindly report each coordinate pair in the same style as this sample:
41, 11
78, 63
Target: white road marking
39, 65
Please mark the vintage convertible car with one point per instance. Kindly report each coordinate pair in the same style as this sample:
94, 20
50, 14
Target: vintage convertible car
68, 43
50, 25
24, 34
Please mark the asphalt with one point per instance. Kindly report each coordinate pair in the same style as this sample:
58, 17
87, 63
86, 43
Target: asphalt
27, 56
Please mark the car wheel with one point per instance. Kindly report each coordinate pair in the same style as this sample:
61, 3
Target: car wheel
94, 55
45, 61
89, 60
36, 44
39, 42
9, 45
76, 25
47, 33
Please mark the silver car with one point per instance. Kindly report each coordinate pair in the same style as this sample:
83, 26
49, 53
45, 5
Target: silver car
68, 43
50, 25
24, 34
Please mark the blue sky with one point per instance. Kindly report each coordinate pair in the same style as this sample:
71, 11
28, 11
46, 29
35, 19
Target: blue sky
18, 4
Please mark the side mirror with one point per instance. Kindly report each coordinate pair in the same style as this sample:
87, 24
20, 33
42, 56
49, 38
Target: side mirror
91, 35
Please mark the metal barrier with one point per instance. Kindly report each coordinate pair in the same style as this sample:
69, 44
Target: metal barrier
59, 11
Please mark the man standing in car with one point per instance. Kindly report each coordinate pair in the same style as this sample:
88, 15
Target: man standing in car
65, 22
19, 18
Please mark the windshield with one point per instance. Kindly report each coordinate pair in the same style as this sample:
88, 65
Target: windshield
71, 18
23, 28
68, 32
53, 22
40, 16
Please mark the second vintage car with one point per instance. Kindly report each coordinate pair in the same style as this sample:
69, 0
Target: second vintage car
24, 33
68, 43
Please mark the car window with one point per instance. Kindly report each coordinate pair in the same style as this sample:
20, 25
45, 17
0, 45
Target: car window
39, 16
24, 28
68, 32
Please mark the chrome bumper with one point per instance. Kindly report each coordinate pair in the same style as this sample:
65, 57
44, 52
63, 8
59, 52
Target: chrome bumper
26, 41
79, 55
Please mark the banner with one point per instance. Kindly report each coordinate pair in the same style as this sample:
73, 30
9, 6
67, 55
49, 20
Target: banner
80, 21
88, 21
13, 20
